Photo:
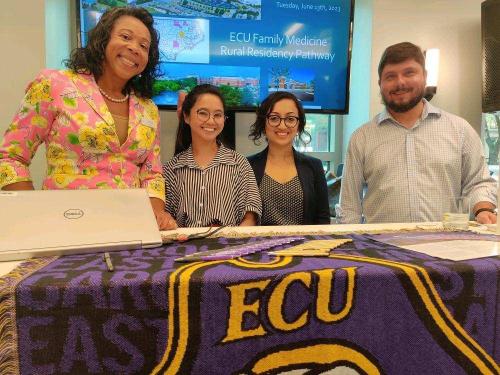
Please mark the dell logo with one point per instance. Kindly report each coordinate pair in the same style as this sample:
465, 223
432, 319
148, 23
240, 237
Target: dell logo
73, 213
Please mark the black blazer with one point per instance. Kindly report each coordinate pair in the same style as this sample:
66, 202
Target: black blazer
312, 178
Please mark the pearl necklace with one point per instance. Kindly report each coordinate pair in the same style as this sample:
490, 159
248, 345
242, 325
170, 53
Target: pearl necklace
109, 97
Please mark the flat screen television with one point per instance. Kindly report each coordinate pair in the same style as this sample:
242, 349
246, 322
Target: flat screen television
249, 48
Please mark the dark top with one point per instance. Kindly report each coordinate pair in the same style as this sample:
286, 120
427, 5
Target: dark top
313, 182
281, 203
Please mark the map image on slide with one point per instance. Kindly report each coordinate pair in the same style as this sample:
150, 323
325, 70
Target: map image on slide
238, 9
183, 40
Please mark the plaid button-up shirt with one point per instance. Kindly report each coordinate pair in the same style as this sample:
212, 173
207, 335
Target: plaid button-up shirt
394, 174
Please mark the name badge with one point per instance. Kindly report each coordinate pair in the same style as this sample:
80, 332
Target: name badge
148, 122
8, 193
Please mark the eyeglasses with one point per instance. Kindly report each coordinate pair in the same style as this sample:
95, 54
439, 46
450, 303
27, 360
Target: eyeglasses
289, 121
204, 116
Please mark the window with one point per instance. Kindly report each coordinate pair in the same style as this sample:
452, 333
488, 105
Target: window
491, 124
491, 140
322, 140
324, 143
320, 130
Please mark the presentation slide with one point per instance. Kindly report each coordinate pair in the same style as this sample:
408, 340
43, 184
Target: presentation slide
248, 48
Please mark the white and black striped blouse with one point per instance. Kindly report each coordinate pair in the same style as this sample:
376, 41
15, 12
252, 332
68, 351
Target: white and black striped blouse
219, 194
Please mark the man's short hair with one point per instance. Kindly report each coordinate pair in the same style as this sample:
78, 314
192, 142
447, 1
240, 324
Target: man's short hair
397, 53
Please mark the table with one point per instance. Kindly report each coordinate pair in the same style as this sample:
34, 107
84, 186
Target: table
368, 308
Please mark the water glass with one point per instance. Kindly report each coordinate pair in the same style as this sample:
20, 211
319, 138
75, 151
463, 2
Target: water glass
456, 212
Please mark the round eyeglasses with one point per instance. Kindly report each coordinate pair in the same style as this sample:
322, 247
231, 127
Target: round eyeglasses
289, 121
204, 116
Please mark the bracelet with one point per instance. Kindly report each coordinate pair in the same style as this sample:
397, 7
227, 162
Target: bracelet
492, 210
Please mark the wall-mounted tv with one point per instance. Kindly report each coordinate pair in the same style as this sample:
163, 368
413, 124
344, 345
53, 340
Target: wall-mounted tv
249, 48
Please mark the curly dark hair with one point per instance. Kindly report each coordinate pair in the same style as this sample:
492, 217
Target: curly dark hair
183, 138
90, 58
257, 129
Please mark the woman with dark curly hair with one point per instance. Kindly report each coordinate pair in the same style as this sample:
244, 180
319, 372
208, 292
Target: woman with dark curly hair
292, 185
97, 120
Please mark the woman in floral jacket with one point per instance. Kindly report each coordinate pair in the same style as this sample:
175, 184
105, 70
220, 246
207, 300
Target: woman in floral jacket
99, 125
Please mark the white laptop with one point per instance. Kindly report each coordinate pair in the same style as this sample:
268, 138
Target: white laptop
61, 222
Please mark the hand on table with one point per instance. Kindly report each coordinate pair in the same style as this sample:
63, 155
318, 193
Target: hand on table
165, 220
486, 217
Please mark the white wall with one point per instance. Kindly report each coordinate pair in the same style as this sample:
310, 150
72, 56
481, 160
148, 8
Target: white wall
359, 98
453, 26
169, 122
22, 37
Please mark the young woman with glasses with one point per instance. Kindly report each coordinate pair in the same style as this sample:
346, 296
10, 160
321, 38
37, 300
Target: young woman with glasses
292, 185
207, 183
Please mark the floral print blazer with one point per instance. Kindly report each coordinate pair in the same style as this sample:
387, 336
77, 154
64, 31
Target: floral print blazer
66, 111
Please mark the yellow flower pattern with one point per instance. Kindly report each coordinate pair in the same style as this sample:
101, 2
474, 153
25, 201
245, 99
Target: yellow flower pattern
65, 111
39, 92
81, 118
119, 182
13, 150
70, 74
146, 136
39, 121
108, 130
8, 174
13, 127
55, 151
117, 158
65, 166
156, 150
106, 113
90, 171
157, 186
93, 140
151, 112
62, 181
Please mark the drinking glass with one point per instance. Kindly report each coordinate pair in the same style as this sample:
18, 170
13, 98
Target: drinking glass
456, 211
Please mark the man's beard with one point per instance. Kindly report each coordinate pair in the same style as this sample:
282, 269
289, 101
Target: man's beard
404, 107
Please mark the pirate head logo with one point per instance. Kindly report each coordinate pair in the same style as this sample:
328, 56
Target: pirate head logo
321, 357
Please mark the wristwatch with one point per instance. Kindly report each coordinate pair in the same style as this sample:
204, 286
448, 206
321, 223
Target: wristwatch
492, 210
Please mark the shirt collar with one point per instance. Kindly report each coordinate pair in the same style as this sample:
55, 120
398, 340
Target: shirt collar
224, 156
429, 109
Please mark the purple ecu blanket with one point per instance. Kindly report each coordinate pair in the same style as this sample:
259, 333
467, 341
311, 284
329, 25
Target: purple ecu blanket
368, 308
